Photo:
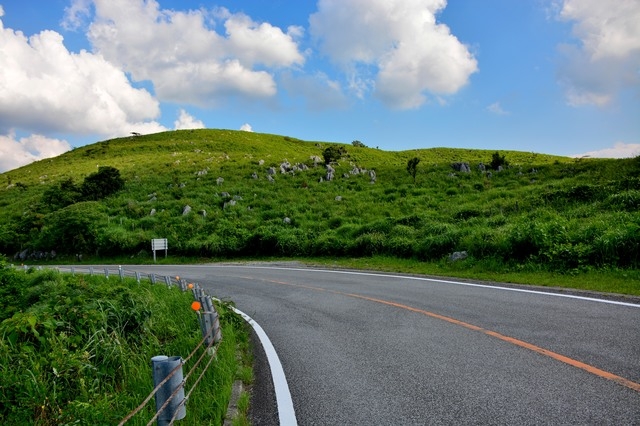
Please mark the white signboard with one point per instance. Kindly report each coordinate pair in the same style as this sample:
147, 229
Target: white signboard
159, 244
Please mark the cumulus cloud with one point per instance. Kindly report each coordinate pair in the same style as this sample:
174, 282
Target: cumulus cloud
46, 88
75, 14
246, 127
186, 121
15, 153
618, 150
397, 44
188, 61
607, 58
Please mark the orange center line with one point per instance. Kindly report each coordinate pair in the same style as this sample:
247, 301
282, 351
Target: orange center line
520, 343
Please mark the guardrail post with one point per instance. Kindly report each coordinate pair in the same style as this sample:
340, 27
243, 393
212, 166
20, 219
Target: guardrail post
173, 389
90, 270
121, 272
106, 273
138, 277
209, 322
73, 270
167, 280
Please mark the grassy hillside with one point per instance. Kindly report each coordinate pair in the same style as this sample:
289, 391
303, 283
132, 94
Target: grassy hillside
549, 212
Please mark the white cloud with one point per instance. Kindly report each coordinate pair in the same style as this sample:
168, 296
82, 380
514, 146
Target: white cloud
246, 127
46, 88
75, 14
15, 153
619, 150
398, 41
186, 121
496, 108
607, 59
185, 59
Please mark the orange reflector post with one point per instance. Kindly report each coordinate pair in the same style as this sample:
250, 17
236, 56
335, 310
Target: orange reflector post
190, 286
196, 306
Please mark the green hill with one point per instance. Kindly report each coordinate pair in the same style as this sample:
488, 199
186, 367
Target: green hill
555, 212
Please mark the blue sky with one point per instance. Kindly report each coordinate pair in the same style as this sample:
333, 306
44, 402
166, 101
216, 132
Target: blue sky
550, 76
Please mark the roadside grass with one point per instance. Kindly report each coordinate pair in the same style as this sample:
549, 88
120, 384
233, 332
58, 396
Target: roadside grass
611, 280
77, 349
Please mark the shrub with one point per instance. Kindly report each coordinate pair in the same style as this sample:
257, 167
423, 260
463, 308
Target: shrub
498, 161
73, 229
333, 153
104, 182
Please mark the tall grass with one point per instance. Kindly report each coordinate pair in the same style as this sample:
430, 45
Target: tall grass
77, 349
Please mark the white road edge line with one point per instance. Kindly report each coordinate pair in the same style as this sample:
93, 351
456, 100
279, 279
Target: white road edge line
286, 412
435, 280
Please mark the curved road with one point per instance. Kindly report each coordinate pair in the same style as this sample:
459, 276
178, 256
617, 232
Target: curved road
380, 349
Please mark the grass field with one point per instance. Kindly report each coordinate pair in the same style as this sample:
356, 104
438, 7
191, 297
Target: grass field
209, 192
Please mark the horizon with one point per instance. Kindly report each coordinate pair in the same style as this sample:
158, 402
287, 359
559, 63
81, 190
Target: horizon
559, 77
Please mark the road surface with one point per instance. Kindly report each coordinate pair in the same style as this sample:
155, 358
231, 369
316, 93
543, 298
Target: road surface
382, 349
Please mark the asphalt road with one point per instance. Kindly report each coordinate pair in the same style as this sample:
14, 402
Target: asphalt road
377, 349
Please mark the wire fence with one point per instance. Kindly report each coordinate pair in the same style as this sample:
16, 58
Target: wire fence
211, 338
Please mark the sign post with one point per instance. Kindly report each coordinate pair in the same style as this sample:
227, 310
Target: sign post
159, 244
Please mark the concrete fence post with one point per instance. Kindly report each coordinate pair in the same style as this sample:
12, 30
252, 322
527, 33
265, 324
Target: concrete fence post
162, 366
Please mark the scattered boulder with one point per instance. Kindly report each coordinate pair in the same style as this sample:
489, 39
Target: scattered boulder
338, 198
372, 176
482, 167
458, 255
186, 210
286, 221
225, 194
203, 213
330, 173
285, 167
270, 178
315, 160
254, 175
153, 212
461, 167
219, 181
271, 171
229, 203
261, 162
